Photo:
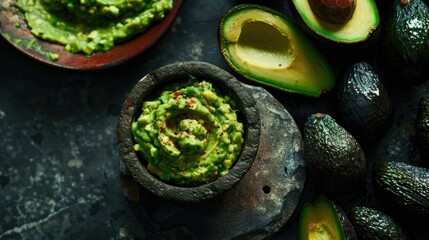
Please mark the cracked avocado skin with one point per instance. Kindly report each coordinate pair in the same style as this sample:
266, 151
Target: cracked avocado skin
90, 26
189, 135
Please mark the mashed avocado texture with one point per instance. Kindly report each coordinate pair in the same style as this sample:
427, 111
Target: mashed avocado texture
190, 134
91, 25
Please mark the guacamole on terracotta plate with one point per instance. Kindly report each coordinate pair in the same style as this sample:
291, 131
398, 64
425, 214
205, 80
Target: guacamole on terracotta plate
91, 25
190, 134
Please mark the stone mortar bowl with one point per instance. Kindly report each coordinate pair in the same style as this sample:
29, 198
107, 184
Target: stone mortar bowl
154, 82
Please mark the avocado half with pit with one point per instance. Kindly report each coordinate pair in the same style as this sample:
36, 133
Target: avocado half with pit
359, 28
263, 45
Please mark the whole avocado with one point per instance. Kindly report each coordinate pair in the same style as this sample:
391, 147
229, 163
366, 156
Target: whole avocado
333, 156
406, 47
364, 106
405, 185
371, 224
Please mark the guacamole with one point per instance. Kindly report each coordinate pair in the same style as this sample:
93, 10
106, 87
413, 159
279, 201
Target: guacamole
90, 26
190, 134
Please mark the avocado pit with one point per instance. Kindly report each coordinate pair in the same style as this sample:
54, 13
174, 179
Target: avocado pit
347, 21
333, 11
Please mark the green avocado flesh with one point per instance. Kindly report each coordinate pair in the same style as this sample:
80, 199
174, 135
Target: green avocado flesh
364, 21
90, 26
264, 46
319, 220
190, 134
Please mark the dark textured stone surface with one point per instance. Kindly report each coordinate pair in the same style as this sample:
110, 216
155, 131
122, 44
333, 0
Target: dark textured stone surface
154, 82
258, 206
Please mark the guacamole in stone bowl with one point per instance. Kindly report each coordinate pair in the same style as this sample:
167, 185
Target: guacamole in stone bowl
190, 134
188, 131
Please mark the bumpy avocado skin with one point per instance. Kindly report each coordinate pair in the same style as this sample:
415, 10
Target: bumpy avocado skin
364, 106
405, 185
371, 224
423, 127
406, 47
334, 158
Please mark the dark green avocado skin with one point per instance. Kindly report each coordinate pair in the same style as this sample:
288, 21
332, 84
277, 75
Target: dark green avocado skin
334, 158
364, 107
405, 185
346, 225
423, 127
371, 224
406, 45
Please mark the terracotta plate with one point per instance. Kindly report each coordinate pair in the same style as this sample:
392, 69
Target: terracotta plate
15, 30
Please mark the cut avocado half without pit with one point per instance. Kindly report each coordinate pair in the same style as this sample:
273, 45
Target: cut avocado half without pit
263, 45
363, 23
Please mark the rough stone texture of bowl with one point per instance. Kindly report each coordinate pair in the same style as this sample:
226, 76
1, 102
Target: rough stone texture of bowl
170, 74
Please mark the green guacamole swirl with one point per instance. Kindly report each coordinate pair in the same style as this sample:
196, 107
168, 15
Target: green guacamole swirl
190, 134
90, 26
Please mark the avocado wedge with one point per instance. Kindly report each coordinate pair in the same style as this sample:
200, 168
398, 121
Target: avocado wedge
264, 46
358, 28
324, 220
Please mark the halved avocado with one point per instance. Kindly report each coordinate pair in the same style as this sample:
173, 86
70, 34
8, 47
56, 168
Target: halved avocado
324, 220
263, 45
359, 28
